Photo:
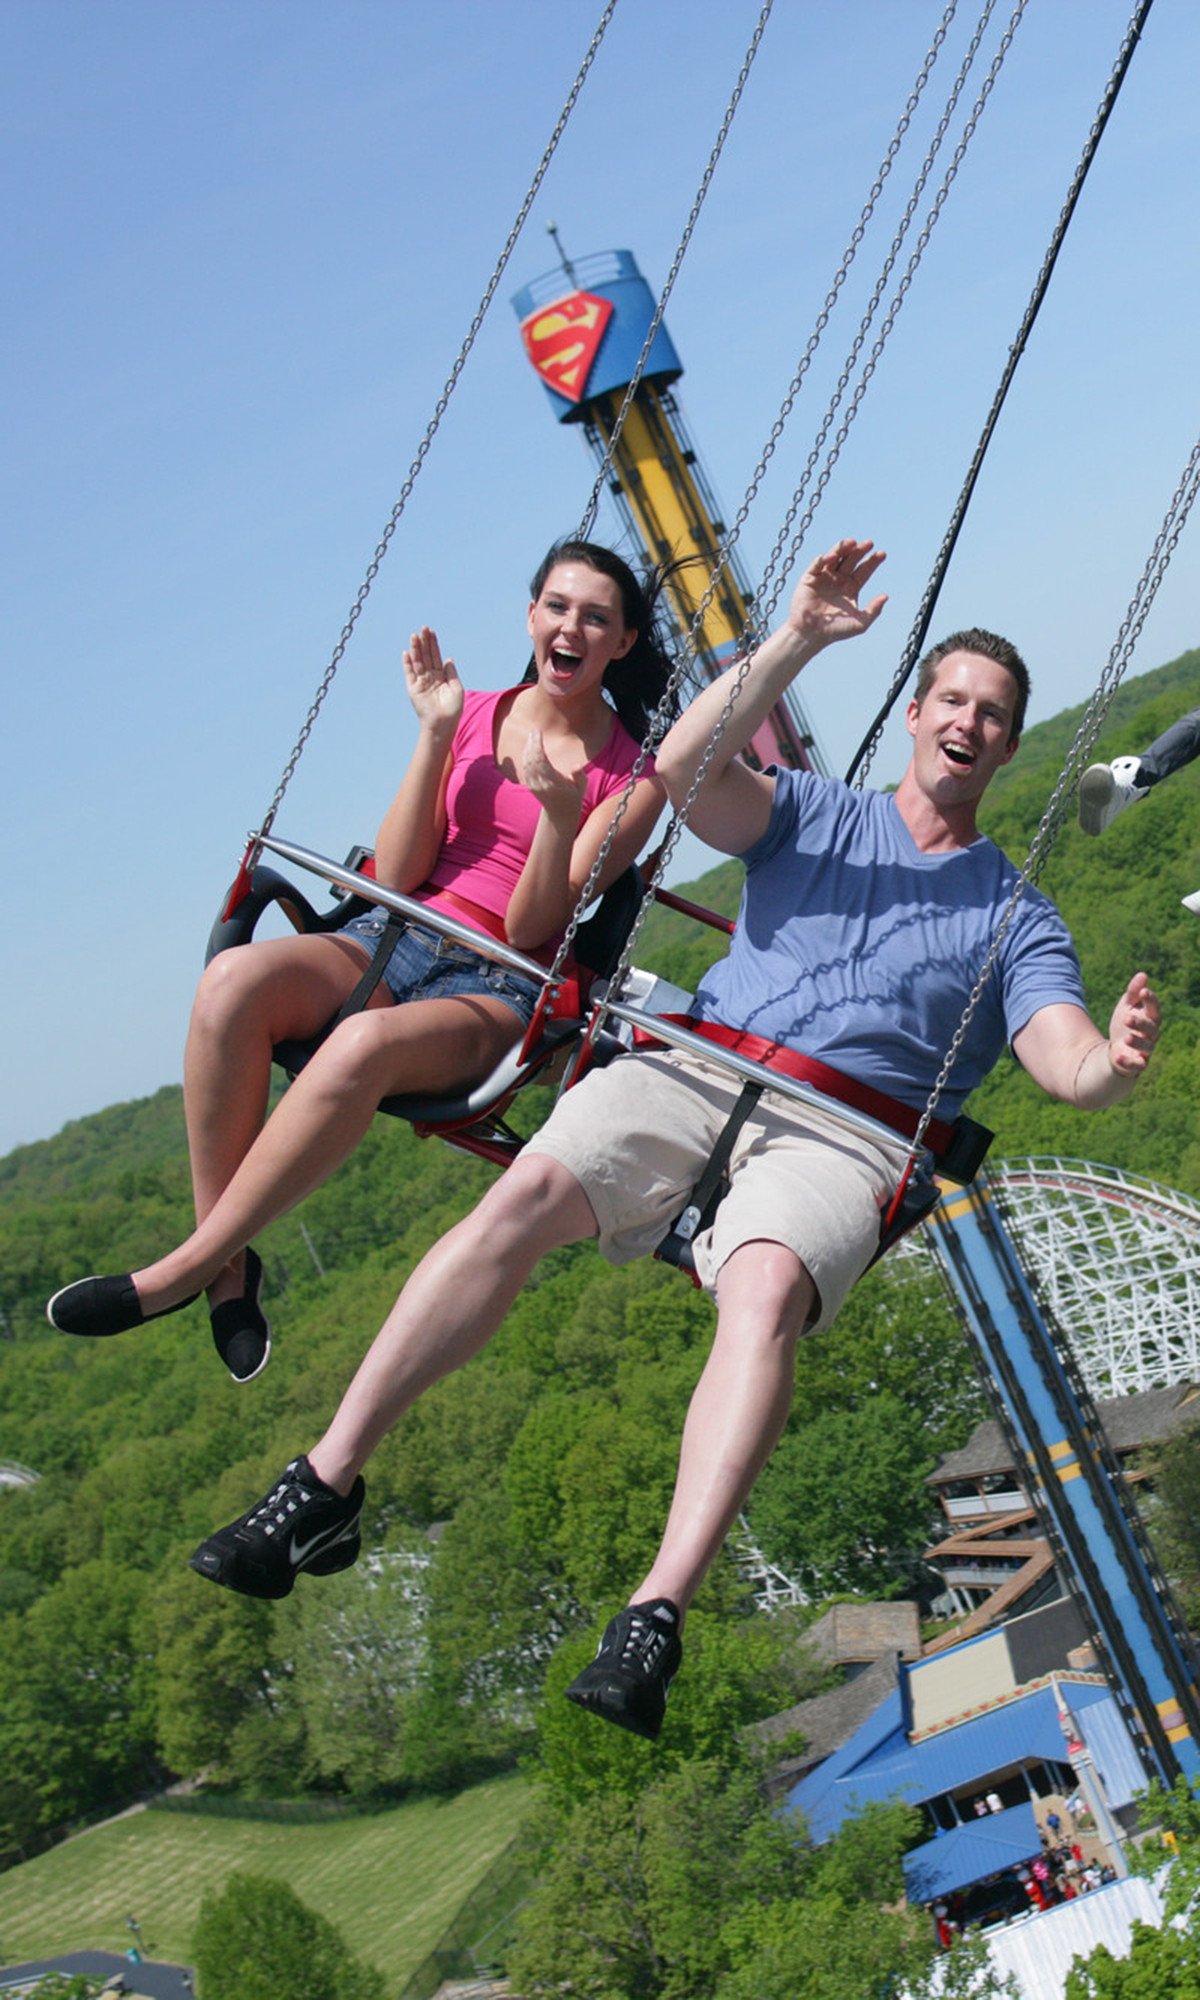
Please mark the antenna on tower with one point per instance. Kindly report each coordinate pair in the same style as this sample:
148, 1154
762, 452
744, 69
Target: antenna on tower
564, 260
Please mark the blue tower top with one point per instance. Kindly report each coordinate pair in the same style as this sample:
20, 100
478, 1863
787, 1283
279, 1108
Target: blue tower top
583, 329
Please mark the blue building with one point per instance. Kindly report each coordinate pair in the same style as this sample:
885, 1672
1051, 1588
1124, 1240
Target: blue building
988, 1738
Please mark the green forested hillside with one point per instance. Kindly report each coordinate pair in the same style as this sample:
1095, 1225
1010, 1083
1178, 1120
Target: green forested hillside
542, 1469
1121, 897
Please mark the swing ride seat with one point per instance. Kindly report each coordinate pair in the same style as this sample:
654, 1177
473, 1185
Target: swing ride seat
473, 1118
957, 1156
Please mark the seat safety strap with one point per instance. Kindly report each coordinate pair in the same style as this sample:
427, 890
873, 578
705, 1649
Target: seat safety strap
376, 967
711, 1185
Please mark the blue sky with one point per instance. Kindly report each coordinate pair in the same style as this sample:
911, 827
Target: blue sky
242, 242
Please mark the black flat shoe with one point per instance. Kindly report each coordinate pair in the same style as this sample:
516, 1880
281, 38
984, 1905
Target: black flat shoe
96, 1307
241, 1329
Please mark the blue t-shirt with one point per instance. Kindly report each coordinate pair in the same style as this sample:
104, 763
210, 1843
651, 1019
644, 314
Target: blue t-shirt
854, 947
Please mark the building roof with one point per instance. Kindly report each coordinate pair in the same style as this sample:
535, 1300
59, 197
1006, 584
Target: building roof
1150, 1417
853, 1634
986, 1450
971, 1853
1130, 1422
879, 1762
827, 1720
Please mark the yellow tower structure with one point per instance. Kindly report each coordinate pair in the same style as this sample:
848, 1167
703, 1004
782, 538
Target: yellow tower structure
583, 326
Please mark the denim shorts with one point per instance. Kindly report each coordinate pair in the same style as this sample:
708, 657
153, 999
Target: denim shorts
427, 966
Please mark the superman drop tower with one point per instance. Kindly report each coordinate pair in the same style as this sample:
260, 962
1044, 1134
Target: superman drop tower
583, 326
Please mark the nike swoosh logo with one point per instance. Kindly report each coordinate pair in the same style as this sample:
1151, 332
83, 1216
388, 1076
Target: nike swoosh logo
299, 1550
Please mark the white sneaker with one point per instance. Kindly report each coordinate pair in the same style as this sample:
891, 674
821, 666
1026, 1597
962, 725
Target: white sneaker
1192, 902
1106, 789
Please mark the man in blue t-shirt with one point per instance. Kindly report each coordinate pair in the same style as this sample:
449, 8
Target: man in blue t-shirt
865, 922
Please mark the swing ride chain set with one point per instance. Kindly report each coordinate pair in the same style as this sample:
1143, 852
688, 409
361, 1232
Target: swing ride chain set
686, 654
766, 601
431, 430
864, 756
764, 610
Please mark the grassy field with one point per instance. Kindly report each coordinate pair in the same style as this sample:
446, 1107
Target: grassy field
391, 1882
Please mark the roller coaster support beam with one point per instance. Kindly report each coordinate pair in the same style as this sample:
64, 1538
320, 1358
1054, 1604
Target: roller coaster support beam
1076, 1482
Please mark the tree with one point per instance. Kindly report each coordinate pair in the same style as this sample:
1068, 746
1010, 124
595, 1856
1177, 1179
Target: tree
212, 1655
821, 1947
1175, 1521
75, 1695
1161, 1965
697, 1886
845, 1495
633, 1889
1161, 1961
896, 1334
255, 1940
357, 1649
738, 1670
59, 1986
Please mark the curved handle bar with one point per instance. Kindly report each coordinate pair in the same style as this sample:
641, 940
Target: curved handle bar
266, 887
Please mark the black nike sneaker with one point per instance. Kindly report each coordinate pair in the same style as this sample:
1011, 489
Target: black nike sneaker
635, 1663
302, 1524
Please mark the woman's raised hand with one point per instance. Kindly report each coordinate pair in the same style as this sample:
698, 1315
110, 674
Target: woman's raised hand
434, 688
559, 793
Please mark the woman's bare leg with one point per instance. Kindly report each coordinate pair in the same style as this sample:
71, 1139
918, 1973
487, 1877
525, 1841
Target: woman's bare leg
424, 1045
739, 1407
249, 999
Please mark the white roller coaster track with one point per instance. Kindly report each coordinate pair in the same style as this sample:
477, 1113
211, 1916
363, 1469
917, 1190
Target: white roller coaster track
1117, 1261
12, 1474
1115, 1258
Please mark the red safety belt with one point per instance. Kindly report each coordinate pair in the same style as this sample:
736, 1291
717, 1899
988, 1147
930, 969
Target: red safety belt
789, 1062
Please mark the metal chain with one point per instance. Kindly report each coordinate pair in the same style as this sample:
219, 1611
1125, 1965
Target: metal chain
865, 754
685, 655
786, 407
1093, 719
589, 513
889, 319
438, 413
762, 612
683, 659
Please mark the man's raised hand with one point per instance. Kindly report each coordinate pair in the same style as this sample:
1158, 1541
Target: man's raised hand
825, 604
1134, 1028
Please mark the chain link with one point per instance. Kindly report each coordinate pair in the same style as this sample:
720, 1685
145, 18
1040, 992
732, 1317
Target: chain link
865, 754
685, 657
438, 413
1085, 737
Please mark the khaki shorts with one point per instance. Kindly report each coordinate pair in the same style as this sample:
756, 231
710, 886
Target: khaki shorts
638, 1135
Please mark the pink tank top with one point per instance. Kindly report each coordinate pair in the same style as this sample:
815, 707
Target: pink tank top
491, 820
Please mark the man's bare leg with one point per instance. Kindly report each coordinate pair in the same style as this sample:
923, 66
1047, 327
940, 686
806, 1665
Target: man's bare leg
740, 1405
452, 1305
449, 1309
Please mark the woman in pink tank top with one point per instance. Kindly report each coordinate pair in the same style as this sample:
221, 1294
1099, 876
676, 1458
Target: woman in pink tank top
500, 815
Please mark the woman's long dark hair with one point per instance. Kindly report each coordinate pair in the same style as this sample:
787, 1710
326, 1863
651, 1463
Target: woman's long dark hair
635, 684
